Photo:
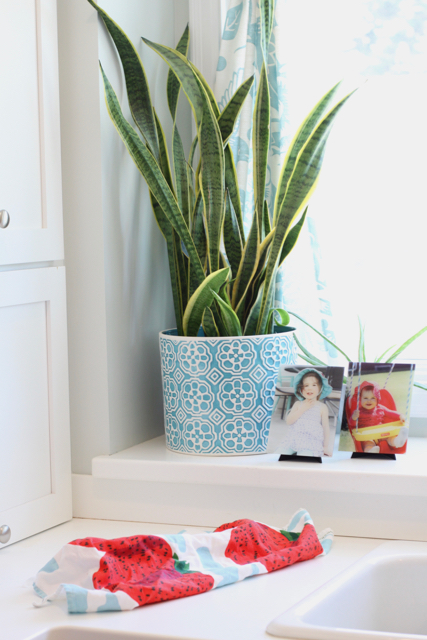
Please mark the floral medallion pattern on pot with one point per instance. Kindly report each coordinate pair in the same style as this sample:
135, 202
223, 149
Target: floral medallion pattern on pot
219, 392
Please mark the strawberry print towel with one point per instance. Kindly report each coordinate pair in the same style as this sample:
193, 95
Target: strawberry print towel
124, 573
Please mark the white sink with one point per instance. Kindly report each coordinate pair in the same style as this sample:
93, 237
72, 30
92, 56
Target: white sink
383, 596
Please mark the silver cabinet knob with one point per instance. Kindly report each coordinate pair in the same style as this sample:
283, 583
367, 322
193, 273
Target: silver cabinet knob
4, 218
4, 534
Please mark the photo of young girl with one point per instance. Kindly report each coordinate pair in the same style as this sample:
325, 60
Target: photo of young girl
377, 406
309, 413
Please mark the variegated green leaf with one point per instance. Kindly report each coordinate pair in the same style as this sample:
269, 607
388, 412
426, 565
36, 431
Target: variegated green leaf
199, 236
300, 188
183, 70
181, 176
201, 299
163, 152
173, 85
260, 143
232, 238
266, 220
292, 237
304, 132
168, 233
231, 111
208, 324
247, 269
212, 184
156, 182
231, 321
232, 186
136, 81
267, 12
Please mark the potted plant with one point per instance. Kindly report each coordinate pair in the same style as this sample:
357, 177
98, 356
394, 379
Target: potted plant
220, 364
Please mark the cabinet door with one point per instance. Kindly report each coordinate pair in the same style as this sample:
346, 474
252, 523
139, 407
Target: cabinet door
30, 167
35, 474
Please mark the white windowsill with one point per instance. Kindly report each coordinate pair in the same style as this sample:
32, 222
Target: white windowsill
152, 462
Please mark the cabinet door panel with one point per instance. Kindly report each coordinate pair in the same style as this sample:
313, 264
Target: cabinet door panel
35, 491
30, 167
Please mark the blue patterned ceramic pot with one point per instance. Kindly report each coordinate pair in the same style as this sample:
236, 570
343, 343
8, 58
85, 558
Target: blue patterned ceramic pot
219, 392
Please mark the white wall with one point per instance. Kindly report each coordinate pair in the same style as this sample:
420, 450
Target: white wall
118, 280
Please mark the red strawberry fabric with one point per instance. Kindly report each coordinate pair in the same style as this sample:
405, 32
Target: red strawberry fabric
104, 575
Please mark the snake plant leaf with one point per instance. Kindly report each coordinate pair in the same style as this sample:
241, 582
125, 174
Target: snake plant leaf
252, 319
208, 324
136, 82
292, 238
405, 345
420, 386
361, 355
284, 317
232, 238
173, 86
267, 13
181, 175
232, 186
247, 268
300, 188
229, 115
291, 313
167, 231
201, 299
212, 184
192, 151
181, 267
266, 220
163, 152
304, 132
260, 143
308, 356
186, 75
156, 182
316, 363
231, 321
199, 236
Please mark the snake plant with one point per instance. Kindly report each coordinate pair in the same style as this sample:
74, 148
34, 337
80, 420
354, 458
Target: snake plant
221, 278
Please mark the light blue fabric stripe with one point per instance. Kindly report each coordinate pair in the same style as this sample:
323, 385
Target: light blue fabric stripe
111, 603
51, 566
76, 598
38, 591
229, 574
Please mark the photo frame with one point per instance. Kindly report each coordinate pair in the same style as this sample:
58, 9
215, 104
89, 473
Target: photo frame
308, 407
377, 408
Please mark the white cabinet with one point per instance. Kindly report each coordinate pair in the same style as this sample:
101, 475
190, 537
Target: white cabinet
35, 474
30, 164
35, 486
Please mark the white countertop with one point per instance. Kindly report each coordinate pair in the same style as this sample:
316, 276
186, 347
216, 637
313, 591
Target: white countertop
240, 610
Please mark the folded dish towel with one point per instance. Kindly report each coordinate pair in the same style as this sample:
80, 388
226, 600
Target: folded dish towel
112, 575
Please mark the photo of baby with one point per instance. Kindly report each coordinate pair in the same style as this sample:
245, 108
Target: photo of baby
307, 410
376, 417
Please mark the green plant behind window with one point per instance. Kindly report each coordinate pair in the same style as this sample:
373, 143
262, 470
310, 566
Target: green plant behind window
221, 279
361, 356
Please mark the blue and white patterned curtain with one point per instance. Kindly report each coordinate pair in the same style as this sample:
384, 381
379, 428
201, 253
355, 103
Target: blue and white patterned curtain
240, 57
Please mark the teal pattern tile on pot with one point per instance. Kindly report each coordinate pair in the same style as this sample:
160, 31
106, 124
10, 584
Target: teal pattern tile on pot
219, 392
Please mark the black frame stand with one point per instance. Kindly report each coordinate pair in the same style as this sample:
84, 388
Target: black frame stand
375, 456
295, 458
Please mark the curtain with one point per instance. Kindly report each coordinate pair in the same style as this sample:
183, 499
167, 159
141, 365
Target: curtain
300, 285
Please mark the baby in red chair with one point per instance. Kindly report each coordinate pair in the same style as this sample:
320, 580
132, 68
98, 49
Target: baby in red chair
371, 413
